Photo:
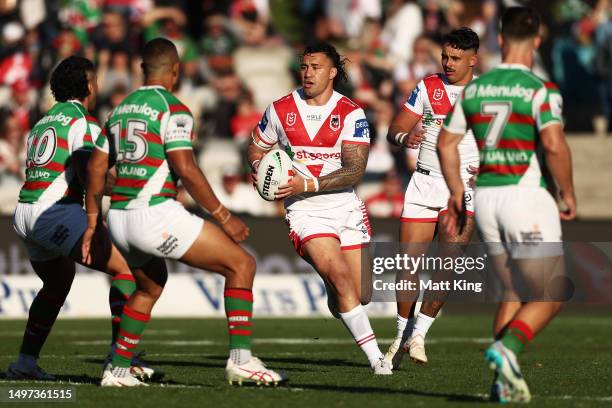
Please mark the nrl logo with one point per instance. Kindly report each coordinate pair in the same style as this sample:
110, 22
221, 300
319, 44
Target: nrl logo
334, 122
438, 94
290, 119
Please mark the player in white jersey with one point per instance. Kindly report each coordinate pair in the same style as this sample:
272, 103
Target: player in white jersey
327, 136
427, 195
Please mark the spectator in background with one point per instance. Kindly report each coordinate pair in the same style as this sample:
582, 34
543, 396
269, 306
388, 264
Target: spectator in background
603, 65
240, 197
424, 62
246, 118
169, 22
403, 26
218, 43
22, 106
12, 151
390, 201
114, 34
219, 115
266, 81
15, 62
115, 68
116, 95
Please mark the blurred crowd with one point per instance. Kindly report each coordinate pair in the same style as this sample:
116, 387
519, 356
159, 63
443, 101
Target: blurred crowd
238, 56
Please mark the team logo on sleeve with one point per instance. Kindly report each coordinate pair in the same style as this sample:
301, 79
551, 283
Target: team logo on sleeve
290, 119
362, 129
263, 123
413, 97
334, 122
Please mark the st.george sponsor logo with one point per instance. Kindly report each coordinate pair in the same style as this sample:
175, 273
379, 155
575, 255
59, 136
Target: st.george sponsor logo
304, 155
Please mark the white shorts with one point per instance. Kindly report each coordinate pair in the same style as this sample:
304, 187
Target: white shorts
427, 197
349, 224
523, 221
49, 231
166, 230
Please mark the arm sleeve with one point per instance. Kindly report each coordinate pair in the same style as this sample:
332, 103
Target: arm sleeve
548, 106
455, 121
76, 135
177, 131
414, 103
356, 128
101, 142
267, 128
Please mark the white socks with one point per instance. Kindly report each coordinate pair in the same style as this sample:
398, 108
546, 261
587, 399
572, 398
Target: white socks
240, 356
422, 324
357, 322
404, 327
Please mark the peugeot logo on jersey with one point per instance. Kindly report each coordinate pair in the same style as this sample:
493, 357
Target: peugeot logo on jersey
334, 122
290, 119
438, 94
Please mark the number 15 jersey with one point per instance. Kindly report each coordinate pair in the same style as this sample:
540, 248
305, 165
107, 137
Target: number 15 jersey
141, 130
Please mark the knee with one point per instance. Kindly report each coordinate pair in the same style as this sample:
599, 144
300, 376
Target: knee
340, 279
243, 267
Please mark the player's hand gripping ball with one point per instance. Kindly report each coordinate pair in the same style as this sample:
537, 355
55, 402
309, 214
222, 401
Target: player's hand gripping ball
274, 170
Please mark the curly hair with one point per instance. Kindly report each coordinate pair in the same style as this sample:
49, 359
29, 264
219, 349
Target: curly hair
463, 38
69, 79
337, 60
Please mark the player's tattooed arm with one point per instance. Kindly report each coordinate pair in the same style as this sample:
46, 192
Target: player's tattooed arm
354, 161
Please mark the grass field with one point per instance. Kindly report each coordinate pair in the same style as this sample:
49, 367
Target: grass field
569, 365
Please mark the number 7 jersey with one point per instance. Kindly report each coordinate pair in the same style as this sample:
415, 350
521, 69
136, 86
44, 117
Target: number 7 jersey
141, 130
506, 108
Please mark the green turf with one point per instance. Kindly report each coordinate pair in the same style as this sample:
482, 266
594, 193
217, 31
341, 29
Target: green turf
567, 366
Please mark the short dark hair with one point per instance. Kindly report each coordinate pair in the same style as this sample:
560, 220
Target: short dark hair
520, 23
463, 38
69, 79
330, 51
154, 54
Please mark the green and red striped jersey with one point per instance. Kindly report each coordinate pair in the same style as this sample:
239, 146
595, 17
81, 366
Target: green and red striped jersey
506, 108
50, 175
149, 123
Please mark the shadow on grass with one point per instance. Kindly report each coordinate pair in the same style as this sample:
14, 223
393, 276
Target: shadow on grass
390, 391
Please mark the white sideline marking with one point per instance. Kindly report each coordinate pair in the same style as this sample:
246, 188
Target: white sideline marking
195, 386
288, 341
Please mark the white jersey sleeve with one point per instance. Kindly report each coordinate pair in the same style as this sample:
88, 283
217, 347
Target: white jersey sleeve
268, 129
414, 103
177, 131
356, 128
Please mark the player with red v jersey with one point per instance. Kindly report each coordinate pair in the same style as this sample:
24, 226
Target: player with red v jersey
427, 195
327, 136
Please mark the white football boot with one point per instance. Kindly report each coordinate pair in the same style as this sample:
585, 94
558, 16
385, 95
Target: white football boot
254, 371
119, 377
382, 367
396, 352
415, 347
503, 361
19, 372
139, 368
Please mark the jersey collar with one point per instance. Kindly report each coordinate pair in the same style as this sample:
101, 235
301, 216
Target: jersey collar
514, 66
75, 101
151, 87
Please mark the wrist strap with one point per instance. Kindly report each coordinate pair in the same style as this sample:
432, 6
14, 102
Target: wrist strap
399, 138
305, 185
315, 181
253, 164
222, 214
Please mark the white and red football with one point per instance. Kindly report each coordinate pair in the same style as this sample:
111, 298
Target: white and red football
274, 170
